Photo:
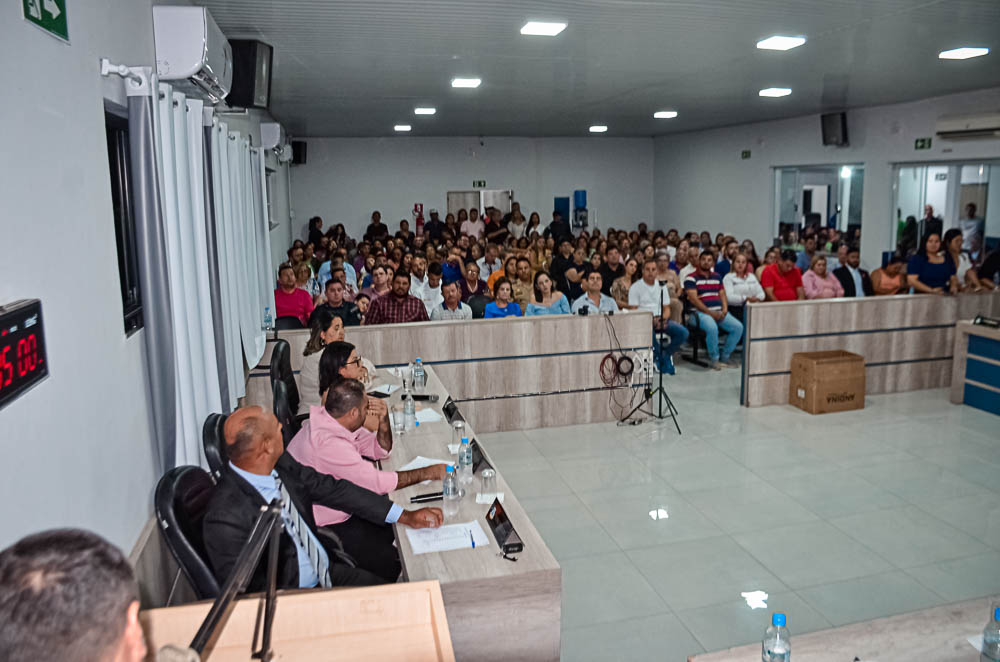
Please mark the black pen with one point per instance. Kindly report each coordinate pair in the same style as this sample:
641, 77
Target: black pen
424, 498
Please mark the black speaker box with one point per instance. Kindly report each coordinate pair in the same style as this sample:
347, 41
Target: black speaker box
298, 152
251, 74
834, 129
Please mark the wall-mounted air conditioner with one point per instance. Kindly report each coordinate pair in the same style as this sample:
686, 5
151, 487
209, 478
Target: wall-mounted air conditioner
285, 155
955, 127
191, 48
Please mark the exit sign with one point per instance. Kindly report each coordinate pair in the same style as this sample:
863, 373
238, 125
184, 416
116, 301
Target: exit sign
745, 154
922, 143
49, 15
478, 183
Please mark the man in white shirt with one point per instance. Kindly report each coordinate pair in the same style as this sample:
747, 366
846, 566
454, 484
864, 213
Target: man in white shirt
418, 276
473, 227
647, 294
432, 296
490, 262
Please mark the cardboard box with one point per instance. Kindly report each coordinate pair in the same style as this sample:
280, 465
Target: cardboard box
824, 382
392, 622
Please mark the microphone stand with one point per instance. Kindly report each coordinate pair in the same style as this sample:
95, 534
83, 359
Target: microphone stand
266, 531
659, 392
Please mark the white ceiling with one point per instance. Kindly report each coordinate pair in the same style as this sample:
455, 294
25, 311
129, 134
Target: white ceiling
357, 67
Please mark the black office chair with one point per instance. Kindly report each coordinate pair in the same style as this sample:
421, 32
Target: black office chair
281, 370
214, 442
290, 423
288, 323
478, 305
181, 498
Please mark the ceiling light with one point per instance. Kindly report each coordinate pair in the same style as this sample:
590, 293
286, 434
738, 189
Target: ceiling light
665, 114
542, 29
845, 172
755, 599
780, 43
963, 53
424, 111
658, 513
775, 92
465, 82
598, 128
402, 127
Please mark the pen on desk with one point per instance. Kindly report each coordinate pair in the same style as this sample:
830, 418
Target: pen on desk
472, 539
424, 498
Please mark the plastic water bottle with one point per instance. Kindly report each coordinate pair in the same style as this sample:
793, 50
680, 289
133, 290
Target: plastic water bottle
991, 639
409, 412
465, 462
777, 644
419, 376
452, 497
268, 320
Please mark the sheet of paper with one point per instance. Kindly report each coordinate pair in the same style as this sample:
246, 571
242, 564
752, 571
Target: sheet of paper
419, 462
976, 640
428, 415
487, 500
448, 537
385, 389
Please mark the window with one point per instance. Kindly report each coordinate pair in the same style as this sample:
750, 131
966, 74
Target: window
818, 196
121, 199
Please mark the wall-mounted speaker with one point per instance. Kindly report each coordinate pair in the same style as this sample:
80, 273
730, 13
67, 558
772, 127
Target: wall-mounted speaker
834, 129
251, 74
298, 152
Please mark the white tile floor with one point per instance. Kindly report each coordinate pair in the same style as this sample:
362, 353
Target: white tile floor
838, 518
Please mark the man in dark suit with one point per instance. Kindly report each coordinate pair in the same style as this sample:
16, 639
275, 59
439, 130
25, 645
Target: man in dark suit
854, 279
259, 470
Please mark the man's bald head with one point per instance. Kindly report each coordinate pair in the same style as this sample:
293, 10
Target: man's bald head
246, 429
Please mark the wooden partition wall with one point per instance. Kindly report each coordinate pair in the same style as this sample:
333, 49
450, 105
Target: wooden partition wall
906, 340
512, 373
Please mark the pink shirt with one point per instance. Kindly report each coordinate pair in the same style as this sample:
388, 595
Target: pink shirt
330, 448
821, 288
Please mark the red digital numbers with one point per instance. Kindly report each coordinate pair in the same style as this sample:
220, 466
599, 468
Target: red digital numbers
6, 368
27, 355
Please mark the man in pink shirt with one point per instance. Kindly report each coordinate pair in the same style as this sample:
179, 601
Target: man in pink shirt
289, 300
334, 441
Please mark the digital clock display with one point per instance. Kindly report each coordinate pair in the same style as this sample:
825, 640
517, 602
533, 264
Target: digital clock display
22, 348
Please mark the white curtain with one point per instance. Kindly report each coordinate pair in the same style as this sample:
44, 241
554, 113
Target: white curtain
181, 156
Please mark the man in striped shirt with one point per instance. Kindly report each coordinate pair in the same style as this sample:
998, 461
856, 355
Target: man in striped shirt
704, 291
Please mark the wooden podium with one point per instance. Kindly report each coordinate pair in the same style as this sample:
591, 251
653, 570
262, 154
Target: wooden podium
404, 622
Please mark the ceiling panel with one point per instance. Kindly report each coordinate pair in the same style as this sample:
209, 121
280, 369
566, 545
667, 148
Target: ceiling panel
356, 68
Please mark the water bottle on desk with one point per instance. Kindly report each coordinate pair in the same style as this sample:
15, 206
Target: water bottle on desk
419, 376
991, 638
465, 462
777, 644
449, 488
268, 320
409, 412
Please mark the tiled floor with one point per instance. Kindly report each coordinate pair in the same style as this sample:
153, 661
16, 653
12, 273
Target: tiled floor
838, 518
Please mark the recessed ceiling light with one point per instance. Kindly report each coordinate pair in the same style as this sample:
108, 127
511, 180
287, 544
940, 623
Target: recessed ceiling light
402, 127
780, 43
665, 114
424, 111
466, 82
775, 92
598, 128
963, 53
542, 29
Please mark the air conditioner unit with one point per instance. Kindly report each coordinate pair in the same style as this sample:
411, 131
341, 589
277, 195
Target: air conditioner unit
955, 127
285, 155
272, 135
191, 48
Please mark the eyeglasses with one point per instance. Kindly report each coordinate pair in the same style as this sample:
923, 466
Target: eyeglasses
357, 361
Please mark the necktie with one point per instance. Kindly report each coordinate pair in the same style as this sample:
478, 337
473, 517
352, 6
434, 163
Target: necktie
300, 530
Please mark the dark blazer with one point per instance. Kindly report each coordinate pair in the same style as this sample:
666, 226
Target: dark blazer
843, 274
235, 506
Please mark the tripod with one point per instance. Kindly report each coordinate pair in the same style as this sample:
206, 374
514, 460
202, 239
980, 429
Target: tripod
659, 392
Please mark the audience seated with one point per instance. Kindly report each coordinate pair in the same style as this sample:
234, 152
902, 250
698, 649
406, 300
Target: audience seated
451, 306
398, 305
504, 305
289, 300
620, 288
741, 286
891, 279
782, 281
648, 294
854, 280
260, 471
547, 300
68, 595
593, 300
965, 272
930, 272
472, 285
705, 292
819, 284
336, 305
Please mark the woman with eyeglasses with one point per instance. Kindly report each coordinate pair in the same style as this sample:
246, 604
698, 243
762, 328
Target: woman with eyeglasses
326, 328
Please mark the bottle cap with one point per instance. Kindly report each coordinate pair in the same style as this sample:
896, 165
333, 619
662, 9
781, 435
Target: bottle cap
416, 424
996, 614
778, 619
449, 469
465, 440
418, 359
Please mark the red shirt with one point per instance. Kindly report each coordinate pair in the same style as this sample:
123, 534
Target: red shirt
297, 304
785, 285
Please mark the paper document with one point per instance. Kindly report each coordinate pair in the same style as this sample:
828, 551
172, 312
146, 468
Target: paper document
428, 416
448, 537
419, 462
488, 499
385, 389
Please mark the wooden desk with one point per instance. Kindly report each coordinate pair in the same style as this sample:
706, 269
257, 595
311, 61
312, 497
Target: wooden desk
497, 610
937, 634
975, 368
906, 340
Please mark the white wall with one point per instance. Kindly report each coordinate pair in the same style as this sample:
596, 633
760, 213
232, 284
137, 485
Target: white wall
701, 183
77, 448
344, 179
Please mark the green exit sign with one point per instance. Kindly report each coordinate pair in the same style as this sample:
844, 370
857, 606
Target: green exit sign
478, 183
922, 143
49, 15
745, 154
